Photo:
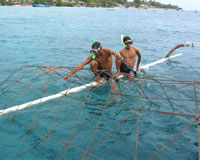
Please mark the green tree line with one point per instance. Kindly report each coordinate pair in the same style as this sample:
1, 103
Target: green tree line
100, 3
5, 3
136, 3
159, 5
89, 3
43, 1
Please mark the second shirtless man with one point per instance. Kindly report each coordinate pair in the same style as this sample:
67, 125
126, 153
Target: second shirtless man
129, 57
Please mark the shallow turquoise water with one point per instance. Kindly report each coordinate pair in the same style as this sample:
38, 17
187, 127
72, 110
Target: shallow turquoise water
61, 37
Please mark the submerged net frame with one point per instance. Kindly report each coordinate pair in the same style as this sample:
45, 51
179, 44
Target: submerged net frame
149, 101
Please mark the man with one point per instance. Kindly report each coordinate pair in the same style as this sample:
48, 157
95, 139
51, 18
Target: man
129, 57
100, 62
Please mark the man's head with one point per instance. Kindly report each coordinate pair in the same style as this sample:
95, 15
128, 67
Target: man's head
127, 41
96, 46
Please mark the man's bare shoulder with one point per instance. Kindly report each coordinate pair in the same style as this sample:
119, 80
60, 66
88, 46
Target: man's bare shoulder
89, 57
122, 50
136, 49
106, 50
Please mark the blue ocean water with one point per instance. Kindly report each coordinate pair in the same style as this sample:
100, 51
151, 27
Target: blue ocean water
61, 36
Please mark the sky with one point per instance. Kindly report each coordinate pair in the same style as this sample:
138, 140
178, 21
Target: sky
185, 4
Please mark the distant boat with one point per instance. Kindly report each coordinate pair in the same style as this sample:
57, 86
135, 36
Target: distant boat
41, 5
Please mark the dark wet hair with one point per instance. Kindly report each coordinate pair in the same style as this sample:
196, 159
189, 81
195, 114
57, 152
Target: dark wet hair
126, 38
96, 45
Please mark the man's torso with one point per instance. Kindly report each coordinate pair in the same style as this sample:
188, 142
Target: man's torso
104, 59
129, 56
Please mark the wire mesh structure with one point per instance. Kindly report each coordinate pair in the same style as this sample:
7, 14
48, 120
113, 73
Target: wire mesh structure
150, 117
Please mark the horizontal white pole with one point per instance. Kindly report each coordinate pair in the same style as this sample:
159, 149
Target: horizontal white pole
160, 61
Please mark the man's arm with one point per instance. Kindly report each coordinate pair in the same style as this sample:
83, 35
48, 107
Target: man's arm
139, 59
78, 67
117, 60
121, 53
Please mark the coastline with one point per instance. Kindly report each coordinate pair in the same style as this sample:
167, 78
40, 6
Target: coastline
109, 8
96, 4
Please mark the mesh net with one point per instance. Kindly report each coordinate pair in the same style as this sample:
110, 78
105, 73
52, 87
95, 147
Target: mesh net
150, 117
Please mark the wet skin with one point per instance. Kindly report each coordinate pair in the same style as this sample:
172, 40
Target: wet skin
129, 56
103, 58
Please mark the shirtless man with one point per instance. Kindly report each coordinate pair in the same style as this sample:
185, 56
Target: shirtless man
129, 57
100, 62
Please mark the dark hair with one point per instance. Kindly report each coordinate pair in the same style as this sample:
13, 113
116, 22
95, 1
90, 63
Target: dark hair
126, 38
96, 45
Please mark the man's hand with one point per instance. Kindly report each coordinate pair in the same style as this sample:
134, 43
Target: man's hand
137, 69
78, 67
131, 76
115, 77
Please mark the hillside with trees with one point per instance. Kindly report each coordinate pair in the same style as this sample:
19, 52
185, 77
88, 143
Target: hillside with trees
94, 3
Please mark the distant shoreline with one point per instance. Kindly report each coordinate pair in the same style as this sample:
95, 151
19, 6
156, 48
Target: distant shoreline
123, 7
91, 4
